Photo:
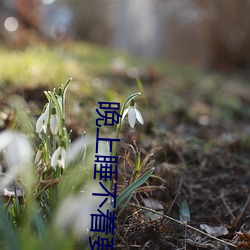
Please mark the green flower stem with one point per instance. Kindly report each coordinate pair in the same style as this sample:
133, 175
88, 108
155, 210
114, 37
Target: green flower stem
54, 142
118, 128
53, 97
66, 138
65, 87
47, 137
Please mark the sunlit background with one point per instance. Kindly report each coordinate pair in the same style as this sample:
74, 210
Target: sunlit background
212, 34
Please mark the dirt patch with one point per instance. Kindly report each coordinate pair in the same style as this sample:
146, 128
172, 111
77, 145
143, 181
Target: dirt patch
203, 162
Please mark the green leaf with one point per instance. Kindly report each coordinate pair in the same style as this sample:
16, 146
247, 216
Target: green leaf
129, 190
11, 237
124, 205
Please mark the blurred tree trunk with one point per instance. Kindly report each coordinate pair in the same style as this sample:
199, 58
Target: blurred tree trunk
28, 13
229, 34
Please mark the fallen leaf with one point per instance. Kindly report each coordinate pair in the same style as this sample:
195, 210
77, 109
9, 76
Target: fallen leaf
152, 204
215, 231
245, 236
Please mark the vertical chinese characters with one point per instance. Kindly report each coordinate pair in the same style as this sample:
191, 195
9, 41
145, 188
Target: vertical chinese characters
105, 170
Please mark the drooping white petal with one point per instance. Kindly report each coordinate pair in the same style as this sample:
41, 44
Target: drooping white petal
62, 161
44, 127
59, 157
54, 124
39, 123
55, 156
18, 156
19, 151
132, 117
5, 139
139, 116
124, 113
74, 214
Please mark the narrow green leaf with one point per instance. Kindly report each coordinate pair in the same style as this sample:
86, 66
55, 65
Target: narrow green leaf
39, 222
124, 205
138, 163
129, 190
65, 87
11, 237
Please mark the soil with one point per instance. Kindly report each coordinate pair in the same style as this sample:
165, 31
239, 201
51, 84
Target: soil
201, 178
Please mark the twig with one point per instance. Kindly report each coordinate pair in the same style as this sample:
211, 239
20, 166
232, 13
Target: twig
227, 207
184, 224
185, 242
173, 202
239, 217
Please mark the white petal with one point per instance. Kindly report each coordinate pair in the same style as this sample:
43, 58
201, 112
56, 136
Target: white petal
5, 138
74, 213
124, 113
132, 117
61, 163
19, 151
139, 116
44, 127
39, 123
19, 158
63, 158
54, 124
42, 121
55, 156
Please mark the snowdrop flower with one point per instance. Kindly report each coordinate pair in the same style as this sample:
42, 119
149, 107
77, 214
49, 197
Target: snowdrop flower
54, 121
74, 214
17, 152
59, 157
133, 114
42, 122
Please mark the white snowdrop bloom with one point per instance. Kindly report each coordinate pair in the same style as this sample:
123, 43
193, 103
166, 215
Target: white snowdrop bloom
54, 121
42, 122
74, 214
17, 152
59, 157
133, 114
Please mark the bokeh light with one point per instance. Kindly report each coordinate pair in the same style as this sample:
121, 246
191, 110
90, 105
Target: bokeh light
11, 24
48, 2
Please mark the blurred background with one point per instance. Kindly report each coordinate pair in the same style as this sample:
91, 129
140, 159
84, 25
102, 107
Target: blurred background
212, 34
